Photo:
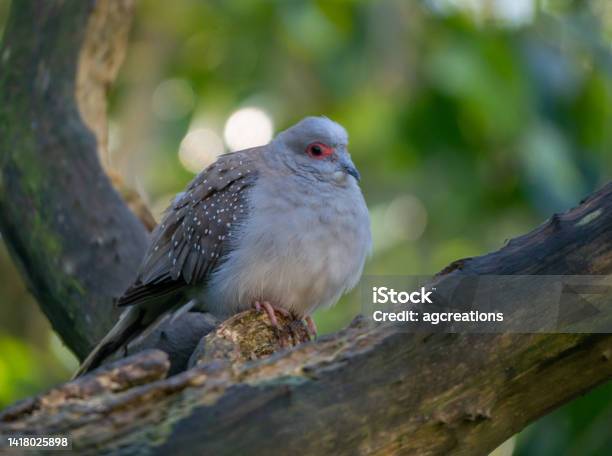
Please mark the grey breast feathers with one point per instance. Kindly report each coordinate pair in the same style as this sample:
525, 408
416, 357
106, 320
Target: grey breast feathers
194, 235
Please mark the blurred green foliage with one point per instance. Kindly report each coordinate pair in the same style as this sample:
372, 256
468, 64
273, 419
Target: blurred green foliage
471, 121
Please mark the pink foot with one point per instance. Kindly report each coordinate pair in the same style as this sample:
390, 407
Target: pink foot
312, 327
265, 305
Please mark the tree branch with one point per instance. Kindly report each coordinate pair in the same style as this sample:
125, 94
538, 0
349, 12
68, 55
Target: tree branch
364, 390
75, 240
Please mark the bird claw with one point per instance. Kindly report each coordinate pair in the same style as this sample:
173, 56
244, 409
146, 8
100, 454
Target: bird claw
312, 327
270, 310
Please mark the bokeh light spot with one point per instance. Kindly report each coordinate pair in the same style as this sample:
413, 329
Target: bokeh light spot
248, 127
199, 148
406, 218
173, 99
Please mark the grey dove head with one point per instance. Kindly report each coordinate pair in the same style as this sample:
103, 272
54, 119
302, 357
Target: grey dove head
316, 147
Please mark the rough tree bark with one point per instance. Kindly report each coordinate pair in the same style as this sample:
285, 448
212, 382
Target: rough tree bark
76, 242
363, 390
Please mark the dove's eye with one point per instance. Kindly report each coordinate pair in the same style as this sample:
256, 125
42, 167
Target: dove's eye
319, 150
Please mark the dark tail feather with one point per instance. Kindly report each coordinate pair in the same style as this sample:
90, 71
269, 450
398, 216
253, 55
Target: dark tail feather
143, 293
129, 326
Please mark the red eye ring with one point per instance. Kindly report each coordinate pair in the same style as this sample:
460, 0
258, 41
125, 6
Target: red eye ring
318, 150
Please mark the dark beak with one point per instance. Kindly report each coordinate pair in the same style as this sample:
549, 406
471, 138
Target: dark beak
353, 172
347, 166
